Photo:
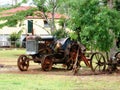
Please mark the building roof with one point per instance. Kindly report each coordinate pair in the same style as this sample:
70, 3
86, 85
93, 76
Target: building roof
13, 11
10, 12
38, 14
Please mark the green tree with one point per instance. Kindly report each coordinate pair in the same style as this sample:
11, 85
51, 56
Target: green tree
94, 23
12, 20
47, 6
24, 1
14, 37
117, 5
63, 22
61, 33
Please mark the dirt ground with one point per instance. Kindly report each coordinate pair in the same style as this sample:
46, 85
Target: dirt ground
56, 70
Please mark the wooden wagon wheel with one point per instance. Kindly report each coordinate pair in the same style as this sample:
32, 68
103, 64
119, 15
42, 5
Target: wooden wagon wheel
98, 62
47, 63
23, 63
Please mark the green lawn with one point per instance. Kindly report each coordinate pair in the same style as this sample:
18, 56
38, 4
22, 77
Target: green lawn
58, 82
10, 56
46, 81
11, 53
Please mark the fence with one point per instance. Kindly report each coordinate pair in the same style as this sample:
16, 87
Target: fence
12, 44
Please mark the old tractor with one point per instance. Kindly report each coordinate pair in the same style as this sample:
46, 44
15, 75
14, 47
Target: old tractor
47, 51
44, 50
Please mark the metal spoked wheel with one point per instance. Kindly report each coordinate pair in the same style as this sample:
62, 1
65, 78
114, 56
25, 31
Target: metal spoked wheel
98, 63
47, 63
23, 63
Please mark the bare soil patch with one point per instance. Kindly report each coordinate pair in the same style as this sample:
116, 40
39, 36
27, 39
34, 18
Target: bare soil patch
36, 69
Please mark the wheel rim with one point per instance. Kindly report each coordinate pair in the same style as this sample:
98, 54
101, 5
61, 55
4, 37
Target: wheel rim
47, 64
98, 62
23, 63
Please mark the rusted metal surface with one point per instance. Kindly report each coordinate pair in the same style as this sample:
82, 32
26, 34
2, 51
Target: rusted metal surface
47, 51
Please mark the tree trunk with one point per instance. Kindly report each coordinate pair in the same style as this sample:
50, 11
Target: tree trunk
113, 50
111, 65
15, 2
54, 2
53, 21
110, 4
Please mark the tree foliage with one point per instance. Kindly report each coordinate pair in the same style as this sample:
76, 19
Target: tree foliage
117, 5
60, 33
15, 36
12, 20
90, 21
95, 23
49, 6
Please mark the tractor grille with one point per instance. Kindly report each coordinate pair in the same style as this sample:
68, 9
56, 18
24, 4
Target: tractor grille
32, 47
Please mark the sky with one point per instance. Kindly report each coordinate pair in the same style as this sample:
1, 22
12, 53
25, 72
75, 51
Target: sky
3, 2
10, 2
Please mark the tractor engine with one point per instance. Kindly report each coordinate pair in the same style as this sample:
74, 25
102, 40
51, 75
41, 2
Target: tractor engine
32, 44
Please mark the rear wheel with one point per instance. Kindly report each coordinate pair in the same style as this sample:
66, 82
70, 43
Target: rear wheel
98, 63
47, 63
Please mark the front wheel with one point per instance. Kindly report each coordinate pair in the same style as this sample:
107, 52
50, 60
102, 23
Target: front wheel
23, 63
97, 62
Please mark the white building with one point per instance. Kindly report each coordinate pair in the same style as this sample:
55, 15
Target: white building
40, 25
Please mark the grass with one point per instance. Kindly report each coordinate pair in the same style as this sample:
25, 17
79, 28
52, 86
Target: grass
42, 81
11, 53
34, 82
10, 56
57, 82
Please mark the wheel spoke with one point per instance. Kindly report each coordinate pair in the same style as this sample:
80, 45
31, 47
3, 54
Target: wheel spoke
97, 62
96, 67
47, 63
96, 57
94, 61
22, 66
23, 63
100, 58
